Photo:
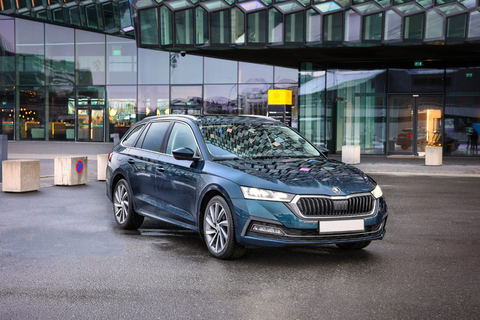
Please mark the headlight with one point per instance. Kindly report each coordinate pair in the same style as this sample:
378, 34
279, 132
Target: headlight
377, 192
269, 195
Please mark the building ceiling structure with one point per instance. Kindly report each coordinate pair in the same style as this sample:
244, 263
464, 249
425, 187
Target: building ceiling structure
277, 32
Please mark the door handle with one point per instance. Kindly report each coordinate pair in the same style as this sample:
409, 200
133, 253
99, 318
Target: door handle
131, 161
160, 169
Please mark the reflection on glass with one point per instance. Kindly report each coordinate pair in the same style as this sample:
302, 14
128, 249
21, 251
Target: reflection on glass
186, 70
255, 73
253, 98
228, 74
372, 27
400, 116
121, 108
59, 55
91, 96
122, 61
352, 26
152, 100
166, 32
275, 26
333, 27
219, 27
89, 58
7, 111
429, 122
7, 52
285, 75
393, 26
153, 66
456, 26
30, 50
314, 20
220, 99
90, 125
294, 27
148, 19
413, 27
186, 100
434, 28
61, 117
184, 27
256, 27
238, 26
31, 115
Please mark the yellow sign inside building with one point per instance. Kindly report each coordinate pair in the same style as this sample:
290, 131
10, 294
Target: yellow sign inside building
280, 97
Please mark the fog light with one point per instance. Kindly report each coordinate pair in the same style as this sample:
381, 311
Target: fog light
267, 229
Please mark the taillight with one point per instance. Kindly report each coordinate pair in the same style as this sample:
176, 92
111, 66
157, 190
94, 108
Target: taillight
109, 156
409, 136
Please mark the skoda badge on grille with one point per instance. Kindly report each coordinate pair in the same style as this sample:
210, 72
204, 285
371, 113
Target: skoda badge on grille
336, 190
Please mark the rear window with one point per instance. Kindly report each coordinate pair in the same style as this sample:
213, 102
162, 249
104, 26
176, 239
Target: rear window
129, 141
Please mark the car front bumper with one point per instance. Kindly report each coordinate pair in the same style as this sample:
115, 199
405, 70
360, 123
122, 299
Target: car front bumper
264, 223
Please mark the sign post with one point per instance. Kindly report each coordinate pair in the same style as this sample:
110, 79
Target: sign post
280, 105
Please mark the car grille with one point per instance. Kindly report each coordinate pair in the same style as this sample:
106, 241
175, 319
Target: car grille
328, 207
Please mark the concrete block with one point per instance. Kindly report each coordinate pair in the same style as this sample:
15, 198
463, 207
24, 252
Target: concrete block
3, 151
351, 154
20, 175
70, 171
101, 166
433, 156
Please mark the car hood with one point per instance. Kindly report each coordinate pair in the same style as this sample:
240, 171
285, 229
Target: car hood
300, 176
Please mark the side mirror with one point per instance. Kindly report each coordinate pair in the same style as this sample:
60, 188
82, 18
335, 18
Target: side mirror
185, 154
323, 150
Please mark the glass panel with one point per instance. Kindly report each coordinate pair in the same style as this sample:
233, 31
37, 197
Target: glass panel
124, 13
61, 112
181, 137
121, 108
409, 8
90, 96
252, 99
229, 72
31, 113
83, 125
451, 9
201, 27
312, 102
400, 124
155, 135
23, 4
59, 55
186, 100
275, 27
285, 75
256, 27
352, 26
435, 26
97, 126
91, 15
255, 73
314, 25
184, 27
132, 136
288, 7
122, 61
143, 3
294, 27
332, 27
252, 5
148, 20
90, 58
58, 15
474, 25
7, 5
220, 99
356, 101
414, 27
368, 8
238, 26
393, 26
214, 5
30, 50
153, 66
152, 101
440, 2
429, 122
7, 52
179, 4
77, 17
372, 27
462, 115
110, 17
327, 7
469, 3
219, 27
186, 70
7, 111
406, 77
456, 26
90, 125
425, 3
165, 26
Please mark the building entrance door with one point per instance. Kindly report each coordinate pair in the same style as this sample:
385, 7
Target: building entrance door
414, 121
90, 124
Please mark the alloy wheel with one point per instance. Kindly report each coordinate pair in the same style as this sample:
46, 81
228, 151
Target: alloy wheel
121, 203
216, 227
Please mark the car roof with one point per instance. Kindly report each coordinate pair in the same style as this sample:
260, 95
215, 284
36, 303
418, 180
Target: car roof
215, 119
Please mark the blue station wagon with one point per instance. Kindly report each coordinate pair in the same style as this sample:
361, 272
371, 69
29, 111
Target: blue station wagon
241, 181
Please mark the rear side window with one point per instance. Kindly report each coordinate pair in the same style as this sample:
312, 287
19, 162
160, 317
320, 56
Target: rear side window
129, 141
155, 135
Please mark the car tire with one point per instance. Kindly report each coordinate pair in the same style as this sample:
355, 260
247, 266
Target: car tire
219, 230
353, 245
404, 146
123, 211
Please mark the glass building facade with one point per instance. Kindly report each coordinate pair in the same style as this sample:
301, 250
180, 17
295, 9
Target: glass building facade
392, 76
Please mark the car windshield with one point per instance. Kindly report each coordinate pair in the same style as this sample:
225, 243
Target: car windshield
255, 140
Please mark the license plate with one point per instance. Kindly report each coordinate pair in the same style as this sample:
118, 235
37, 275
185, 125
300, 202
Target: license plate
341, 226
